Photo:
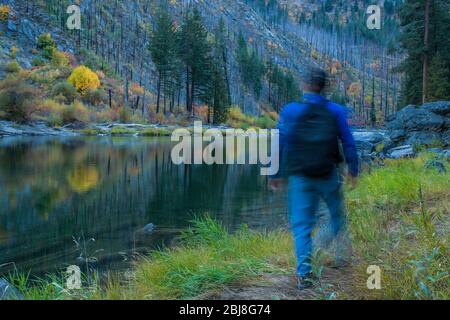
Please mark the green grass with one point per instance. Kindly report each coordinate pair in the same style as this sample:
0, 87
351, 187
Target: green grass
398, 219
155, 132
93, 132
117, 131
207, 258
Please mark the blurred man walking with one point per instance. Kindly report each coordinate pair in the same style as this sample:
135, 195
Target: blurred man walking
310, 133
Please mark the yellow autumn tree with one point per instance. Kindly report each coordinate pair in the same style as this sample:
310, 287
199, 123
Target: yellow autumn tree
4, 12
83, 79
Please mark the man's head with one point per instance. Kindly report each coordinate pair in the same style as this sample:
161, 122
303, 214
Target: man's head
314, 80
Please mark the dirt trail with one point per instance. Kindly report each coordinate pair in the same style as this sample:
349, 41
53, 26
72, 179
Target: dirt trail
334, 284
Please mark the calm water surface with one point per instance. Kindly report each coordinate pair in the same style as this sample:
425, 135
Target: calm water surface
55, 190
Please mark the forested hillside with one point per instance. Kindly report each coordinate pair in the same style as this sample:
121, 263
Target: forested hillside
160, 58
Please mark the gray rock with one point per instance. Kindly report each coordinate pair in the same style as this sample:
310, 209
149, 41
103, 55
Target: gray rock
373, 137
406, 151
8, 291
398, 136
446, 137
32, 129
12, 27
441, 107
148, 229
436, 165
424, 138
367, 141
446, 154
435, 150
412, 118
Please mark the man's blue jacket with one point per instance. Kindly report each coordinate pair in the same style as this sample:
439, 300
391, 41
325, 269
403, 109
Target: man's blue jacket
293, 111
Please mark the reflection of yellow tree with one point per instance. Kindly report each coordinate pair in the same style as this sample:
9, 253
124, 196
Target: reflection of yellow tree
83, 179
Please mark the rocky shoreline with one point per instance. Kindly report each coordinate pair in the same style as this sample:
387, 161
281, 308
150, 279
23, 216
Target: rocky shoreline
411, 130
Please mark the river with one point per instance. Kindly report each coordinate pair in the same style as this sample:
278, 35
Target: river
65, 200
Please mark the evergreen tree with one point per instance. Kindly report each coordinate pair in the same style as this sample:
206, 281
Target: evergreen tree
438, 87
164, 53
195, 53
424, 36
251, 66
221, 92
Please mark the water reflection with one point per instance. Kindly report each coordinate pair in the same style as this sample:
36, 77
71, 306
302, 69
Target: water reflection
54, 189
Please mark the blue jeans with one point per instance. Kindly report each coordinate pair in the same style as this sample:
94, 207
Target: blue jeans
304, 196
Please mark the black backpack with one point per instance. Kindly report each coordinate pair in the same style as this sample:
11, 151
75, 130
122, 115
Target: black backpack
314, 147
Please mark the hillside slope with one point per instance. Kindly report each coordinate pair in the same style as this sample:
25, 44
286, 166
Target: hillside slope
115, 38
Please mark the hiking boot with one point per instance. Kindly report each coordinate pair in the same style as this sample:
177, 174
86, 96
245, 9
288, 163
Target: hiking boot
305, 282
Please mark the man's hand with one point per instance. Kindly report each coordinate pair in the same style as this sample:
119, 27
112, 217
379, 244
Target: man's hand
276, 184
352, 181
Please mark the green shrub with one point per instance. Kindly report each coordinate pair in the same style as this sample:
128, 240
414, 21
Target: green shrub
45, 41
59, 59
124, 115
46, 75
12, 67
93, 132
38, 62
48, 53
76, 112
95, 97
66, 90
16, 99
265, 122
121, 131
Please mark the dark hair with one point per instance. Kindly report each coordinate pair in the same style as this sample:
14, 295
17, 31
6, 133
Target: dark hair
315, 77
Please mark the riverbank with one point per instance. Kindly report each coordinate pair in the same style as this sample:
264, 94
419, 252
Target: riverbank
399, 217
8, 129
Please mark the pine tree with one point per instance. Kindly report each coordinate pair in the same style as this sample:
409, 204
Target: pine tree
221, 92
195, 54
164, 52
251, 66
424, 35
439, 80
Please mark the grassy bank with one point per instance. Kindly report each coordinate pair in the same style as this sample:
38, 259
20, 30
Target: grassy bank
399, 221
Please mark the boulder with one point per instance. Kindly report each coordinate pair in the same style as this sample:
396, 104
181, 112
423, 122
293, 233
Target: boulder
147, 230
424, 138
397, 136
446, 154
367, 141
406, 151
413, 118
441, 108
373, 137
8, 291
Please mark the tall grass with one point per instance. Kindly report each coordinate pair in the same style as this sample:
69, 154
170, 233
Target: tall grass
207, 258
397, 217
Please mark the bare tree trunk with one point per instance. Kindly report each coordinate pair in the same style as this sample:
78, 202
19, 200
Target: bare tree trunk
425, 55
158, 99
